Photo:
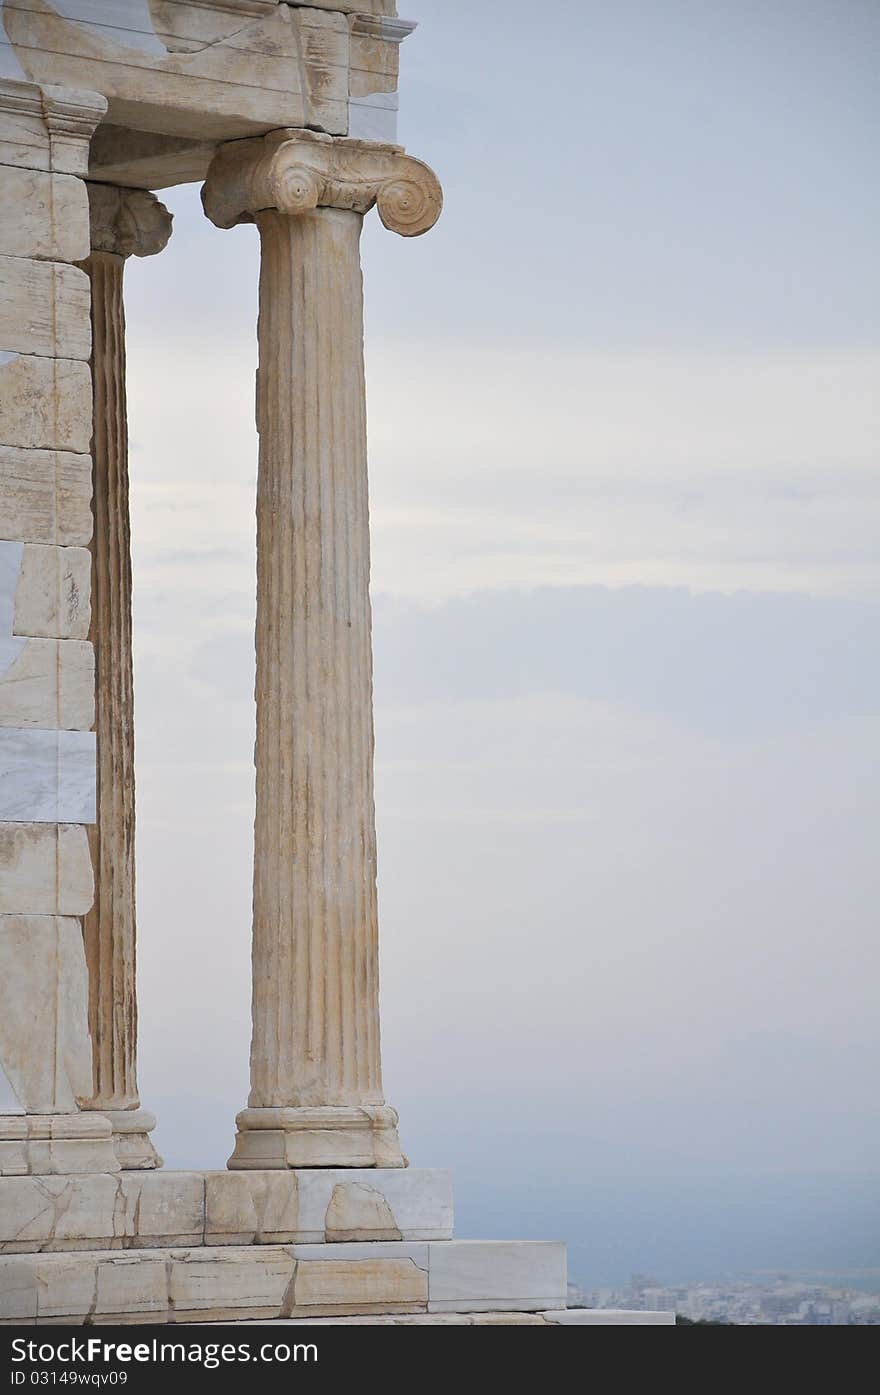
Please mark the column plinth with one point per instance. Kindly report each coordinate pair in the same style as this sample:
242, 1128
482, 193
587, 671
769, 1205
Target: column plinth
316, 1087
123, 222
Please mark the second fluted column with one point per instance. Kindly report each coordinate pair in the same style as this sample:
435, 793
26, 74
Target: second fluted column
316, 1088
124, 223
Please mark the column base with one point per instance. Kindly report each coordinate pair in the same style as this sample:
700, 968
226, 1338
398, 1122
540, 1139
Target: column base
326, 1136
46, 1145
131, 1130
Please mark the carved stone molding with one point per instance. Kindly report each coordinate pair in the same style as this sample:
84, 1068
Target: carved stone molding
127, 222
298, 171
71, 113
387, 28
60, 118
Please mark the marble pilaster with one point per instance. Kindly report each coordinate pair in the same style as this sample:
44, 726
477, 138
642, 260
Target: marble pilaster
47, 745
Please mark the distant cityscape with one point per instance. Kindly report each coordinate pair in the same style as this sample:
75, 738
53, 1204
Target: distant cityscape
774, 1300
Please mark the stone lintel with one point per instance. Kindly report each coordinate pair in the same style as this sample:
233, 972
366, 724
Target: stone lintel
187, 68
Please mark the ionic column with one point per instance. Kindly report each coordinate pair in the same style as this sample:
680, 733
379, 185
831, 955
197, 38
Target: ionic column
316, 1085
123, 222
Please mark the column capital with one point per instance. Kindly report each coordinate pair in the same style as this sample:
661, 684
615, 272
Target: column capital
295, 172
127, 222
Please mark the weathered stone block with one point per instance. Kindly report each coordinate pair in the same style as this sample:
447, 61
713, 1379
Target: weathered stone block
18, 1289
41, 1145
45, 403
45, 869
47, 683
24, 137
52, 598
45, 495
38, 1213
345, 1204
43, 215
375, 65
210, 1285
243, 1208
470, 1275
369, 1285
47, 776
227, 73
131, 1288
65, 1286
44, 1033
44, 309
161, 1211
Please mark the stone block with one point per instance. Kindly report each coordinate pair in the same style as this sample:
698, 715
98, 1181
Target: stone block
608, 1317
45, 1047
42, 215
203, 69
40, 1213
375, 64
45, 404
128, 1210
52, 598
132, 1288
47, 683
47, 776
45, 869
45, 495
66, 1286
163, 1208
470, 1275
24, 137
344, 1204
369, 1285
44, 309
211, 1285
45, 1145
243, 1208
18, 1289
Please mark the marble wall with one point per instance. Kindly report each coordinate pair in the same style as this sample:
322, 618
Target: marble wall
47, 671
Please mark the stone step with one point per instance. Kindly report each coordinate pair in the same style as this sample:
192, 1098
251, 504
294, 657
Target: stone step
554, 1317
136, 1210
229, 1283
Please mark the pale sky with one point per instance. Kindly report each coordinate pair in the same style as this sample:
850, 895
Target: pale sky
623, 409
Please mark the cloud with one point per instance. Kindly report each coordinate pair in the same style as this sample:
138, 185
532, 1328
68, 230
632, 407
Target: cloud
497, 466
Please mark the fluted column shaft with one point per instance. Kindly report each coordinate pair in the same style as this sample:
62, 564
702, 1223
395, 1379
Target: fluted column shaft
315, 941
123, 222
316, 1088
110, 925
